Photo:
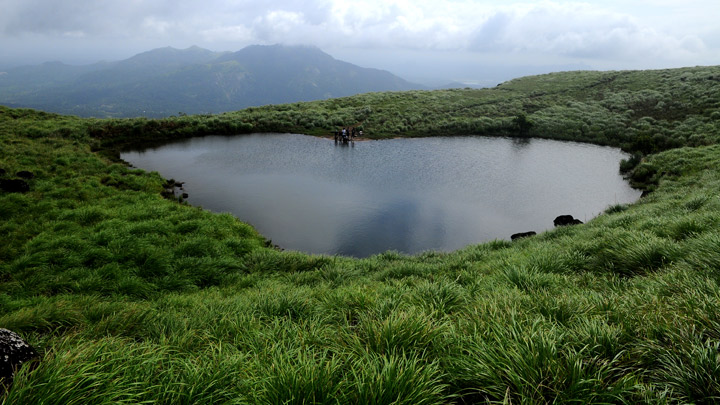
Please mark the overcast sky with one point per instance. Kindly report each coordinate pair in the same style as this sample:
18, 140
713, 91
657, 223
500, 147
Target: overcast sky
463, 40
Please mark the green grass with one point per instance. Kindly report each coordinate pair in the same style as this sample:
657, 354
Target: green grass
133, 298
643, 112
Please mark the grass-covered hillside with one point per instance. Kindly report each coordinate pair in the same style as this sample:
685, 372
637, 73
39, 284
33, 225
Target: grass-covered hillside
130, 297
643, 111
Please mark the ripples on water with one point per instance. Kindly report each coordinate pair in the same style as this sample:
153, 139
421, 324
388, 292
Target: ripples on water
309, 194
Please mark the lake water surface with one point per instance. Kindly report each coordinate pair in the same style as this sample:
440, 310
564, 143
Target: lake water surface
410, 195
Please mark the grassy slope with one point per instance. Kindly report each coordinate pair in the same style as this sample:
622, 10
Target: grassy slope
640, 111
130, 297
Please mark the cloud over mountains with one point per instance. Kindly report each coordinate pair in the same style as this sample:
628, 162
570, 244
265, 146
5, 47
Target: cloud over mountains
608, 34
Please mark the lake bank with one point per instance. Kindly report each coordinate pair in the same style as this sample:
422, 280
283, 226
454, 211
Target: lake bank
407, 195
166, 282
130, 297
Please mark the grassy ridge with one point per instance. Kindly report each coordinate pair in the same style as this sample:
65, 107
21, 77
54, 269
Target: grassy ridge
131, 297
639, 111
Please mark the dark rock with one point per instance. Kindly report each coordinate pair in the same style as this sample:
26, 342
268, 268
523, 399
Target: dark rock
14, 186
184, 195
522, 235
14, 352
563, 220
25, 174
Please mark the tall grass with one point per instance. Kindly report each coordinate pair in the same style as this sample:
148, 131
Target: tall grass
132, 298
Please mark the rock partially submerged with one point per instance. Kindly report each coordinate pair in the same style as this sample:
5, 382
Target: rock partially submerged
564, 220
14, 352
522, 235
169, 190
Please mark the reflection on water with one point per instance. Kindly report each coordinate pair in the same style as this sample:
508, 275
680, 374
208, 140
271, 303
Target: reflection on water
410, 195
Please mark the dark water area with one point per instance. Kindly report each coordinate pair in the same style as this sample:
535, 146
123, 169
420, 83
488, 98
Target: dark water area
410, 195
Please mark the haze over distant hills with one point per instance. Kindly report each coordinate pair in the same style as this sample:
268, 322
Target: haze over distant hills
169, 81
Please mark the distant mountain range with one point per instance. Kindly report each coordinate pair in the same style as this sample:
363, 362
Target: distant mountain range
170, 81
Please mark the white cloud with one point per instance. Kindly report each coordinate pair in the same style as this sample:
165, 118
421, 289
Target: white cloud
230, 33
580, 31
611, 33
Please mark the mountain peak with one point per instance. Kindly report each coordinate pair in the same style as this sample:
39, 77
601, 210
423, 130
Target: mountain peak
172, 56
288, 53
166, 80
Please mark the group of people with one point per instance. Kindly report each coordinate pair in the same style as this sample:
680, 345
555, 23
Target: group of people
347, 134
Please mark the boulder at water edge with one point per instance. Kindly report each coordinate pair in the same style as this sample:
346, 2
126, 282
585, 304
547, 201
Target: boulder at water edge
564, 220
522, 235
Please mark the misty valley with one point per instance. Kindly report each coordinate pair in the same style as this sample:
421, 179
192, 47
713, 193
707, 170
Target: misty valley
409, 195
